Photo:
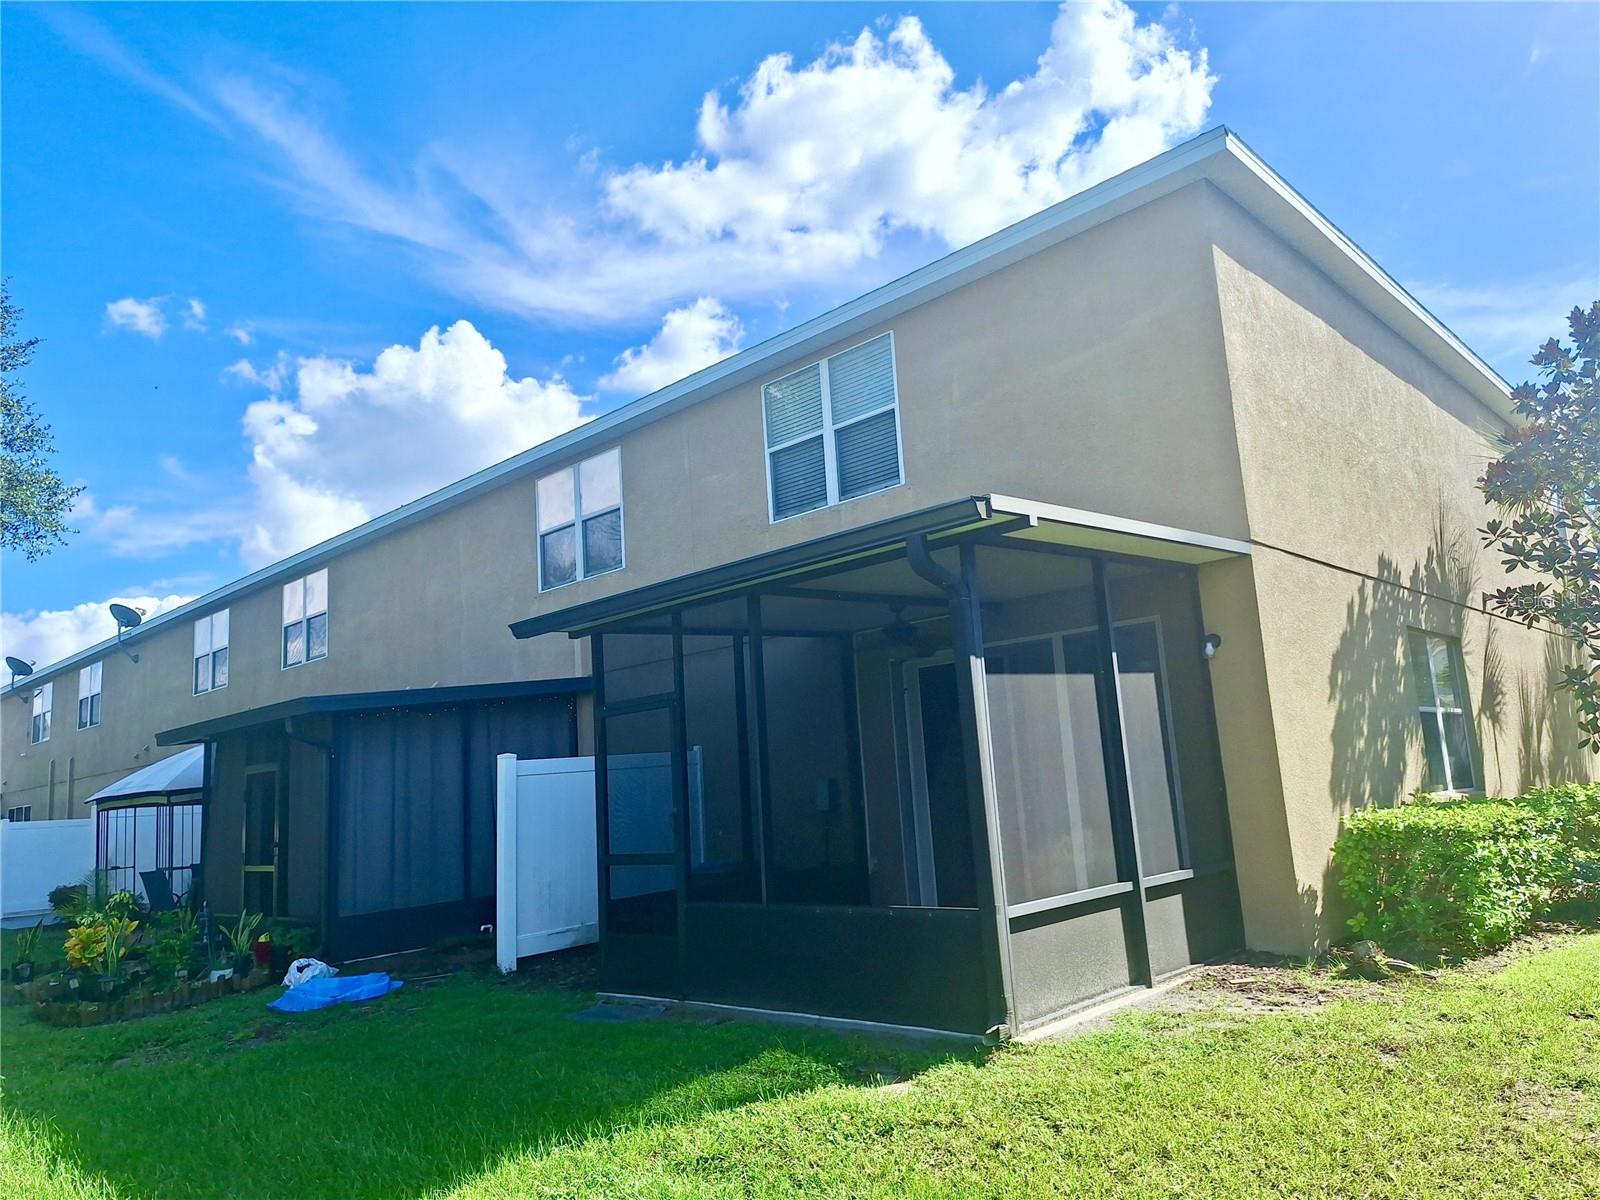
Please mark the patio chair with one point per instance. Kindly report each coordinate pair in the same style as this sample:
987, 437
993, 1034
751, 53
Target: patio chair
158, 891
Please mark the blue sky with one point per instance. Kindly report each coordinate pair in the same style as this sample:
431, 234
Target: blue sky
236, 226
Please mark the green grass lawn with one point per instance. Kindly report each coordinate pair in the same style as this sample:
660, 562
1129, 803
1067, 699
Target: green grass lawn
1484, 1084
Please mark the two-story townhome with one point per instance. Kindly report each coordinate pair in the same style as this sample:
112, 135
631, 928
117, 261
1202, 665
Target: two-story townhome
1016, 633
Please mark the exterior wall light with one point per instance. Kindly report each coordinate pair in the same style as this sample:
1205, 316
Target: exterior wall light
1210, 646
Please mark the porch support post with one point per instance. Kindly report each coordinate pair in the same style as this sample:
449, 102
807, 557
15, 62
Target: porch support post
966, 618
1116, 753
758, 685
681, 802
602, 833
209, 770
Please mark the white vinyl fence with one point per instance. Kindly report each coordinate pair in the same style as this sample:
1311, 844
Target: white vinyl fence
546, 894
36, 856
546, 871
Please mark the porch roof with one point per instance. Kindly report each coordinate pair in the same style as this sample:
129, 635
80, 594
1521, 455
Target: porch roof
345, 702
1009, 518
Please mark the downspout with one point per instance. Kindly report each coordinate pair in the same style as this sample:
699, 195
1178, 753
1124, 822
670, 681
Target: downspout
966, 614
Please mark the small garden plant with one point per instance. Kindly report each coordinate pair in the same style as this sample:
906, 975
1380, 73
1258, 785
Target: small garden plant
122, 960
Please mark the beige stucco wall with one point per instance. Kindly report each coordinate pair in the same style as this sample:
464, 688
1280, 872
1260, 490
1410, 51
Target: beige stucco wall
1360, 460
1089, 375
426, 606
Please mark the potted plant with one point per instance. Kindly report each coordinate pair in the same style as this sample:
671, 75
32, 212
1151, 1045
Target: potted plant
27, 947
119, 933
239, 937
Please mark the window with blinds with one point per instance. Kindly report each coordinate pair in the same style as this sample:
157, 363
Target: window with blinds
833, 430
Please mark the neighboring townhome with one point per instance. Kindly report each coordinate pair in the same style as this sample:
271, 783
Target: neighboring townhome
1012, 635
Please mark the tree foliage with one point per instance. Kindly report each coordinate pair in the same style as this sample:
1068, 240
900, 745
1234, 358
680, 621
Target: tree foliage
34, 499
1547, 482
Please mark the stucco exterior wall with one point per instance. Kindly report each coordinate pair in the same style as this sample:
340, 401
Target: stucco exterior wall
1089, 374
1359, 461
426, 606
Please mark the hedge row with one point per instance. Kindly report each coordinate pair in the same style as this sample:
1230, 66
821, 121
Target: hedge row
1462, 875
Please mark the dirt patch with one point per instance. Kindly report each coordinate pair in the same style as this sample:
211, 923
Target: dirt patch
1536, 1103
1268, 986
575, 970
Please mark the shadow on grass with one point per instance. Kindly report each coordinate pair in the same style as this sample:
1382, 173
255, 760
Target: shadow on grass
399, 1097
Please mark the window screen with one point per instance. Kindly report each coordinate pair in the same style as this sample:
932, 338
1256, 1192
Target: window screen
211, 652
89, 696
833, 429
305, 619
579, 520
39, 725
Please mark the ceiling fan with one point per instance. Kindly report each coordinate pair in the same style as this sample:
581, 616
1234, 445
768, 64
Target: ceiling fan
906, 638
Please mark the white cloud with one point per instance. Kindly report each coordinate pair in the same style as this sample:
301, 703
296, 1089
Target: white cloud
335, 443
138, 316
690, 338
194, 316
239, 334
820, 162
797, 180
352, 443
270, 377
46, 636
1506, 323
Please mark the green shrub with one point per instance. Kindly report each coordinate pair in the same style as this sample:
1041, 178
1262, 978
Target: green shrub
1449, 877
1572, 816
1457, 876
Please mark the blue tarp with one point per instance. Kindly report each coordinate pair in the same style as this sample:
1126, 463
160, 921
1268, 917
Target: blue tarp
335, 989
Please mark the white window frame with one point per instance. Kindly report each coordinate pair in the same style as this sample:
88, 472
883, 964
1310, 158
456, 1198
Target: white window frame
304, 620
210, 622
578, 518
25, 809
90, 690
39, 730
1437, 711
830, 456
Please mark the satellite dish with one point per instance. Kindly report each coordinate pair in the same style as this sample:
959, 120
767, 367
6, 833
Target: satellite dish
19, 668
125, 617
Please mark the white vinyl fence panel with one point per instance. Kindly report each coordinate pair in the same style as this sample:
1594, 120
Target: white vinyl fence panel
36, 856
546, 894
546, 869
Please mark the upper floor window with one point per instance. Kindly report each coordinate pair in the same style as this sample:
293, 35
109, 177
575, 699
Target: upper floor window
1442, 703
580, 520
211, 652
305, 619
89, 696
833, 429
43, 699
22, 812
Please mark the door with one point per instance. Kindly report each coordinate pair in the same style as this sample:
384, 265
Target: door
263, 840
947, 873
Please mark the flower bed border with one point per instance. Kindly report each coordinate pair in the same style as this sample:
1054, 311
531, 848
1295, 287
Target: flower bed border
141, 1002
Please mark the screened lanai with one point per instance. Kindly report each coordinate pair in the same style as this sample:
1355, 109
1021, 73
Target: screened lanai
957, 771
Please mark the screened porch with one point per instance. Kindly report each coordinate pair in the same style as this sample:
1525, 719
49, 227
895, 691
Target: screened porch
959, 772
